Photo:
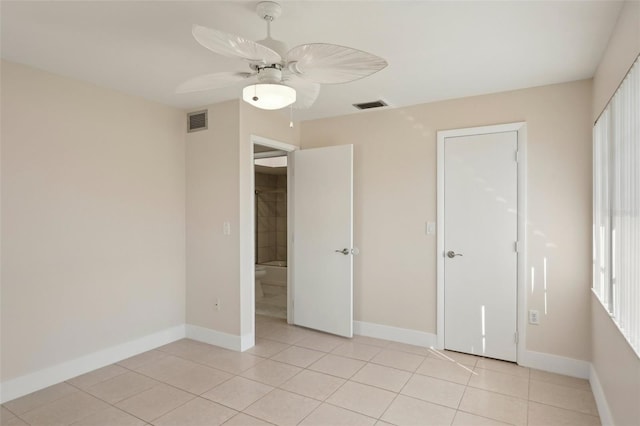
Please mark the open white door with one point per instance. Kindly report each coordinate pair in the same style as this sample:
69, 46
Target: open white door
323, 239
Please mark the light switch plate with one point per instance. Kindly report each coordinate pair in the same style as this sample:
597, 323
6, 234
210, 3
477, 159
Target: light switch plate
431, 228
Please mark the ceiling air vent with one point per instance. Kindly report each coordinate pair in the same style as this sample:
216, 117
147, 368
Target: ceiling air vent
369, 105
196, 121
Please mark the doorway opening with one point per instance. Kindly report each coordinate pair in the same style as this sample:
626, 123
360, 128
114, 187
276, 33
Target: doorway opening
270, 231
320, 269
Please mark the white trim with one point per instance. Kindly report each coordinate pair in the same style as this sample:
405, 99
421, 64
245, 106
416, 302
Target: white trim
272, 143
394, 334
217, 338
601, 401
291, 258
23, 385
247, 341
522, 239
521, 128
440, 241
555, 364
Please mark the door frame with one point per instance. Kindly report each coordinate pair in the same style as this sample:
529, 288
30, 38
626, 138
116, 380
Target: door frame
247, 237
521, 129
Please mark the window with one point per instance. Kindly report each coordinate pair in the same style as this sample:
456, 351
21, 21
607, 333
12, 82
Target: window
616, 207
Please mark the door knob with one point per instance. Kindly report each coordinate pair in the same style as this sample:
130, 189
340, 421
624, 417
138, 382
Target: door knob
451, 254
344, 251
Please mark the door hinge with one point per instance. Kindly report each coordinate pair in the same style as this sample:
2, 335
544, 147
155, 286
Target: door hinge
516, 246
517, 156
515, 337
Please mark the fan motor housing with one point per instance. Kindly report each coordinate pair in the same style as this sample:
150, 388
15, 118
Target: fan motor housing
269, 75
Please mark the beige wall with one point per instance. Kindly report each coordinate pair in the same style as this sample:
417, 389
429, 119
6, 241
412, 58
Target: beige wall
268, 124
617, 367
92, 219
395, 194
212, 199
219, 189
621, 52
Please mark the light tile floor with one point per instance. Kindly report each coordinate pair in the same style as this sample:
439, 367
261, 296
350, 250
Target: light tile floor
298, 376
273, 303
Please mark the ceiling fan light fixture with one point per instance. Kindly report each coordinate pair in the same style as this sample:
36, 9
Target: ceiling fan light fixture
280, 76
269, 95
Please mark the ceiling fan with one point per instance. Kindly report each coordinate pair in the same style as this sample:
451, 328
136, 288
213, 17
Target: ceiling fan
280, 77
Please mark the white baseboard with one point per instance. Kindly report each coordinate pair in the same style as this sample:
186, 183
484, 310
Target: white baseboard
218, 338
539, 360
23, 385
395, 334
601, 401
247, 341
556, 364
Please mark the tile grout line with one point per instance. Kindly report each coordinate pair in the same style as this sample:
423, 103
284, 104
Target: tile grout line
161, 382
349, 409
388, 406
194, 396
174, 386
47, 403
79, 390
346, 380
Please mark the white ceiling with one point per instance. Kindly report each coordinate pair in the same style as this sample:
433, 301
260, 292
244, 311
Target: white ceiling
436, 50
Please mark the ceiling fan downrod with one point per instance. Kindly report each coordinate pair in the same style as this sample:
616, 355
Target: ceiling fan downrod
270, 11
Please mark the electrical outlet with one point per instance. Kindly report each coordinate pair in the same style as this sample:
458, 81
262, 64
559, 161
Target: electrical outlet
226, 228
534, 317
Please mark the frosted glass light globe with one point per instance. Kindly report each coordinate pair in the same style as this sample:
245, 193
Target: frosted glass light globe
269, 96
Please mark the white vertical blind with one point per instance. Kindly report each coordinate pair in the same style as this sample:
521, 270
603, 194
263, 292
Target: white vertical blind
601, 218
616, 207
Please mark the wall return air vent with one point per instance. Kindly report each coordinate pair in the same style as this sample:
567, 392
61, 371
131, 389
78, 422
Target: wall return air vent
369, 105
197, 121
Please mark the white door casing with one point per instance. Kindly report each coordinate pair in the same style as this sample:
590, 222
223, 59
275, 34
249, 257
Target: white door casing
322, 189
481, 216
247, 234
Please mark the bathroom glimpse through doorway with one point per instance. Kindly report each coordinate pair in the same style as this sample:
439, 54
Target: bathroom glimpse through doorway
270, 215
270, 231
